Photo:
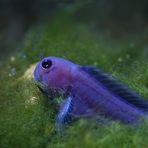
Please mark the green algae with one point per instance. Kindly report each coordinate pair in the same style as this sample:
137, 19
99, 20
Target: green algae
27, 117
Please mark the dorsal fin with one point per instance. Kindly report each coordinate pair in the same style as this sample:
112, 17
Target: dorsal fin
117, 87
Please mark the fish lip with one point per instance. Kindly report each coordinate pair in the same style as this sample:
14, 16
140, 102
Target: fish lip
40, 85
48, 92
43, 89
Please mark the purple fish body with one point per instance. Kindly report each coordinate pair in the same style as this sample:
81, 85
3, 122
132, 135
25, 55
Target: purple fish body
89, 92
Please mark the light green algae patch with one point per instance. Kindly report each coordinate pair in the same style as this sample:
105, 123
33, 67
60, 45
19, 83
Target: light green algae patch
27, 117
28, 75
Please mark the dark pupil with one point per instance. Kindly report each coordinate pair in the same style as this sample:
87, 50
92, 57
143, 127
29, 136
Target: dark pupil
46, 63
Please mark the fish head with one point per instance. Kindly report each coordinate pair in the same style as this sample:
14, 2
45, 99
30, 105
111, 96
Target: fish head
53, 73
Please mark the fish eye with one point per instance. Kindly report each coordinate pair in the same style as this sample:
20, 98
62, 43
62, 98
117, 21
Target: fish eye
46, 63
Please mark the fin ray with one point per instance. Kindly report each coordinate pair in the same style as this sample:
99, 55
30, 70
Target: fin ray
116, 87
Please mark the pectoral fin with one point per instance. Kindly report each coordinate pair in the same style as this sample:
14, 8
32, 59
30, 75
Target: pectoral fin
64, 115
72, 108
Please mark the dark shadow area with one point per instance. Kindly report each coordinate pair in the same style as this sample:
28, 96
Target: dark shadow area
17, 17
118, 17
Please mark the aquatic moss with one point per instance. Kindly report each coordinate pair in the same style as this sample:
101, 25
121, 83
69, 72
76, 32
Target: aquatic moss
27, 117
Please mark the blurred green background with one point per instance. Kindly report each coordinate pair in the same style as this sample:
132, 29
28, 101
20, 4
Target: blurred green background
108, 34
116, 19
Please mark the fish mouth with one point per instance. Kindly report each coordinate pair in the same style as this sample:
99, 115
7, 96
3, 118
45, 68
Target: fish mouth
47, 91
43, 88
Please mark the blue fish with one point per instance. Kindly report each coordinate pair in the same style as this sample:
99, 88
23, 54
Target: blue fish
88, 92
